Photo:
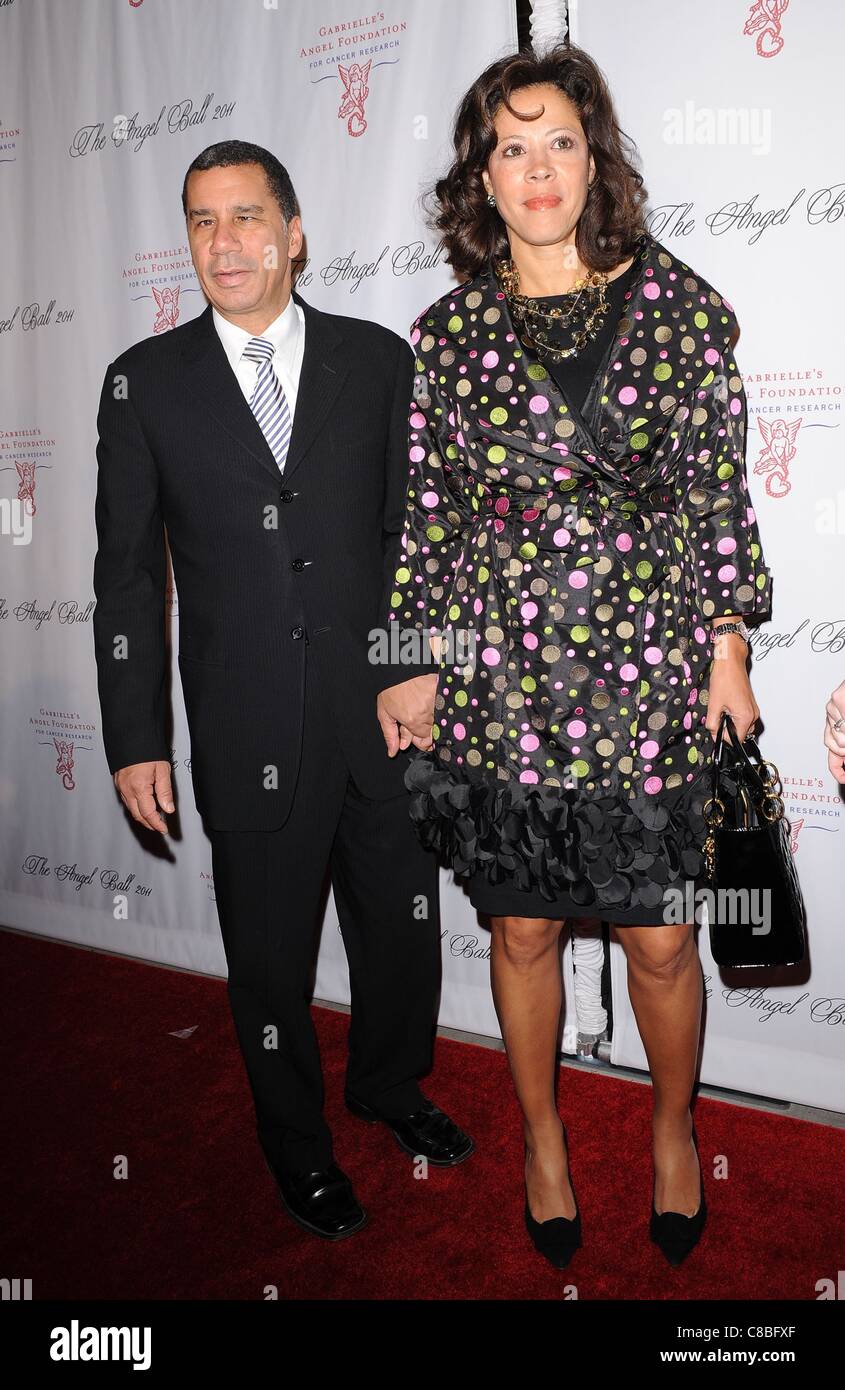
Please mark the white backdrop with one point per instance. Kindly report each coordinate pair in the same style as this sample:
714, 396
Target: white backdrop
95, 258
740, 136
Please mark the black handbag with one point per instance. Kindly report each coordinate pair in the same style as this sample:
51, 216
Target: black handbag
746, 852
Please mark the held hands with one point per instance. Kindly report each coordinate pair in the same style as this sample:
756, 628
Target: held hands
141, 785
834, 739
406, 713
730, 688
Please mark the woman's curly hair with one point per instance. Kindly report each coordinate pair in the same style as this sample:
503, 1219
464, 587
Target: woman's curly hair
612, 219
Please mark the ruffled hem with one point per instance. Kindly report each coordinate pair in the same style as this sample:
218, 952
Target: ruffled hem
605, 851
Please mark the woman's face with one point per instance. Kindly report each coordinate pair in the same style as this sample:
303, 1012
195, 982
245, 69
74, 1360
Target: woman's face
540, 170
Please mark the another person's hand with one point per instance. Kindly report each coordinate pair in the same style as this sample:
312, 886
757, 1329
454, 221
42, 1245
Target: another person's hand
729, 688
141, 785
406, 713
834, 739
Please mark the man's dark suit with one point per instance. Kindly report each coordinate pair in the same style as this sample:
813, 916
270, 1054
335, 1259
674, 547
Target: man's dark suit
280, 578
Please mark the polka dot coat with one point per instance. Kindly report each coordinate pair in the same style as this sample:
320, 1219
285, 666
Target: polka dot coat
572, 559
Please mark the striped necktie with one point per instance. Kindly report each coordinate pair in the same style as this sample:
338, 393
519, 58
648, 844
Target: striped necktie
268, 402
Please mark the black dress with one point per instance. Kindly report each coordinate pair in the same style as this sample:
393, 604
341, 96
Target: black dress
575, 376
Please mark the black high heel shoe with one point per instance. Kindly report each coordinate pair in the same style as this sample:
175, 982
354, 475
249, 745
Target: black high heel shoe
560, 1237
675, 1233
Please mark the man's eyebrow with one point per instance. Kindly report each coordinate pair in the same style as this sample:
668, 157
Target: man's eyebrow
236, 207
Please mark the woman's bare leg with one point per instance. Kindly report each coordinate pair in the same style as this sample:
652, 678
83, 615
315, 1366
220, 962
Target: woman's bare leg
526, 981
666, 990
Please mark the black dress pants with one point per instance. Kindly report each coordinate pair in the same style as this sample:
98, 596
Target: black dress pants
269, 889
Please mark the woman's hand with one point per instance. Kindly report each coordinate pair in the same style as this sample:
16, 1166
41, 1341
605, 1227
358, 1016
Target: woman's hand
730, 688
406, 713
834, 739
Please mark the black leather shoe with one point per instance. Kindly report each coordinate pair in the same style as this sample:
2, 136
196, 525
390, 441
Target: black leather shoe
675, 1233
427, 1132
560, 1236
322, 1201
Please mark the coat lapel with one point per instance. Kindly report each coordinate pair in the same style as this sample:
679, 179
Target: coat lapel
211, 379
585, 430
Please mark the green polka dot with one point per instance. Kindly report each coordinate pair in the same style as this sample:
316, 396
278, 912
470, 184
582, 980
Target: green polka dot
483, 574
435, 533
692, 755
760, 581
580, 768
639, 440
579, 633
455, 323
644, 569
498, 415
662, 371
461, 697
402, 575
536, 371
635, 594
528, 683
528, 550
496, 454
454, 612
725, 470
700, 319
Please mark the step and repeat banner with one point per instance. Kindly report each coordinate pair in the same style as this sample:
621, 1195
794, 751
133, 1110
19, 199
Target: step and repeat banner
103, 105
746, 184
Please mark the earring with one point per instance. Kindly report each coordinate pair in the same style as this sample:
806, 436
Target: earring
491, 200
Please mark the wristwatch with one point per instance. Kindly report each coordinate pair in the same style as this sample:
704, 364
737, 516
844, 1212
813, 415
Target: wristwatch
739, 627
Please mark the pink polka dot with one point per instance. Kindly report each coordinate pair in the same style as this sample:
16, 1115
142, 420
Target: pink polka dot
576, 728
528, 776
539, 404
653, 784
653, 655
651, 291
578, 579
628, 672
727, 572
528, 611
417, 420
623, 541
650, 749
726, 546
700, 635
627, 395
430, 499
735, 406
416, 454
490, 359
490, 656
459, 731
531, 641
561, 537
529, 742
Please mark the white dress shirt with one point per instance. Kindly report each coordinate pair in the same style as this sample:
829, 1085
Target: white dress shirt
286, 333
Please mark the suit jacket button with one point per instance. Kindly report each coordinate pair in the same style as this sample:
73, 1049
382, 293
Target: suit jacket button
297, 564
286, 495
297, 632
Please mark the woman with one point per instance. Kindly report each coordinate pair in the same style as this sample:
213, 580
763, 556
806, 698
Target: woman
577, 499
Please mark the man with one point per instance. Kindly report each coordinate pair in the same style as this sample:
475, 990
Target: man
271, 440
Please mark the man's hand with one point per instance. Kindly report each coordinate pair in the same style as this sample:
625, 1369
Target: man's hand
140, 786
406, 713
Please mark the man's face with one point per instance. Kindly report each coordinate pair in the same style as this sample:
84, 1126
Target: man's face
239, 243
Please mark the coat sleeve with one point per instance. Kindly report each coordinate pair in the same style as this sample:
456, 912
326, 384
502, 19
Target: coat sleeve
129, 585
730, 573
435, 518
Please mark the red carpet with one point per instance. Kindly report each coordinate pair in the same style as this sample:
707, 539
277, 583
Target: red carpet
94, 1072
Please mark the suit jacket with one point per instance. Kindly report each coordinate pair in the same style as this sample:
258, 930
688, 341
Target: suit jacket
267, 565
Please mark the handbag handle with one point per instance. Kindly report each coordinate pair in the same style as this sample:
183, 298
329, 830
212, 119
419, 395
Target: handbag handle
766, 784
